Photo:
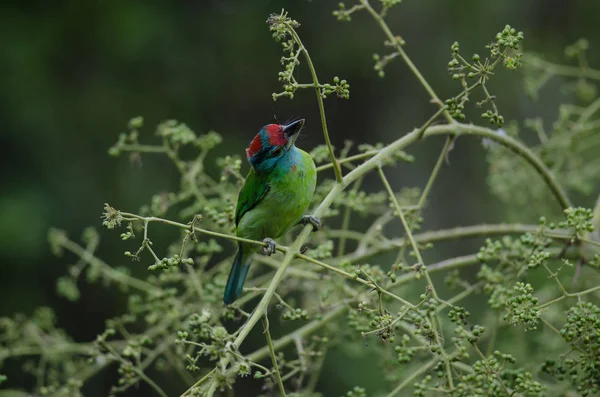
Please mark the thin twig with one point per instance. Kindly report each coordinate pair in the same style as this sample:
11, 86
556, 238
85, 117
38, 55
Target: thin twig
267, 333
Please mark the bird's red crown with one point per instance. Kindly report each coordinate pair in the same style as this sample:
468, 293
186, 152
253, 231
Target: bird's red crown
269, 135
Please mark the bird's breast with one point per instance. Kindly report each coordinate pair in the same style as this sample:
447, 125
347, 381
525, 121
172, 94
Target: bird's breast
291, 188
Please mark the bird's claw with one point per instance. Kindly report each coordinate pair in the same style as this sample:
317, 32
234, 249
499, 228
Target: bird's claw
313, 220
271, 246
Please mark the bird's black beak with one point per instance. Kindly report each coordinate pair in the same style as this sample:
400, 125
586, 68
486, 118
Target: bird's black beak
292, 130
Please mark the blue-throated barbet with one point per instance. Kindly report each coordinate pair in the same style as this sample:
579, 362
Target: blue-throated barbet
274, 198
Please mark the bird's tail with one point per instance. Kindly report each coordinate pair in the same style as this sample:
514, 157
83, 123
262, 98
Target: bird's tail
237, 275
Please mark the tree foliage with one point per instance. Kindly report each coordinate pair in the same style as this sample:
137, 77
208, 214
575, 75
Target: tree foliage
516, 318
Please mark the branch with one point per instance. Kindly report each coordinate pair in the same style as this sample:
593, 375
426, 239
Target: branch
562, 70
453, 263
566, 295
456, 233
267, 333
336, 166
106, 269
394, 41
409, 380
349, 159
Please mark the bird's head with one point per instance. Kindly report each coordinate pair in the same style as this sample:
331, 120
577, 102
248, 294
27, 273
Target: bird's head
272, 143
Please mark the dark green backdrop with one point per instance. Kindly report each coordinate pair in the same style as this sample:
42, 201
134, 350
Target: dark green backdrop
73, 73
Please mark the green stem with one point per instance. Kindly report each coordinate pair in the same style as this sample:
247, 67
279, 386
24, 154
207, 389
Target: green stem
14, 393
316, 372
547, 324
108, 271
349, 159
590, 242
393, 40
488, 97
570, 295
435, 172
460, 296
137, 371
267, 333
356, 278
589, 111
336, 166
445, 235
133, 217
467, 130
494, 335
146, 243
346, 220
409, 380
347, 234
143, 148
202, 380
85, 349
596, 218
407, 229
554, 275
415, 247
563, 70
447, 264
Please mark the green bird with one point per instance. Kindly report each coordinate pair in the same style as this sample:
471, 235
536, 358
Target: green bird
274, 198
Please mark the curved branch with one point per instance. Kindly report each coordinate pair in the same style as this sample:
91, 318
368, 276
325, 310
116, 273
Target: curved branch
518, 148
459, 129
456, 233
562, 70
336, 166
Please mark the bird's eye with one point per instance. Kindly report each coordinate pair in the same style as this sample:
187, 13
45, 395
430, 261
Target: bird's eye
276, 152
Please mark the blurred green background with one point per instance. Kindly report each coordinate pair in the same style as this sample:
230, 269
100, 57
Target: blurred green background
73, 74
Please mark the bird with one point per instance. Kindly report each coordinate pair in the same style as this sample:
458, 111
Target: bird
274, 198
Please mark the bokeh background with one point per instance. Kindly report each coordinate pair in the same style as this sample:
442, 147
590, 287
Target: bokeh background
73, 73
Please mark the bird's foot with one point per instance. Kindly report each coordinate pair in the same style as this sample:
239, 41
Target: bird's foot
271, 246
313, 220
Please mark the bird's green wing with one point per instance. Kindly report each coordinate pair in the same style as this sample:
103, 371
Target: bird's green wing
252, 192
